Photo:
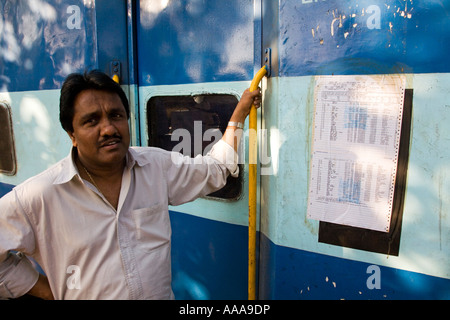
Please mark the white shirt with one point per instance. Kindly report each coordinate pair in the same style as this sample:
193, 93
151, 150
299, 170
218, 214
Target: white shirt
89, 250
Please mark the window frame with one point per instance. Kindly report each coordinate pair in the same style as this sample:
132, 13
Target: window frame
229, 192
8, 146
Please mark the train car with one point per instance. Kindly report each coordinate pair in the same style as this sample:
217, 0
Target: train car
184, 65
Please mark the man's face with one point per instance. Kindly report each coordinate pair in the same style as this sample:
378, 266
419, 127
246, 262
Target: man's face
100, 129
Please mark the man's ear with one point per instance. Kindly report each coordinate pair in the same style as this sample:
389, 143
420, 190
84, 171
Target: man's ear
72, 137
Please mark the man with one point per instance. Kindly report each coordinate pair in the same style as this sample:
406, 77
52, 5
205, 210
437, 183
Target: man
97, 221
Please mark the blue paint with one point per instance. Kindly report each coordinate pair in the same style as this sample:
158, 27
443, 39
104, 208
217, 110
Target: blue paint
193, 41
212, 264
209, 258
288, 273
112, 32
5, 188
350, 37
37, 47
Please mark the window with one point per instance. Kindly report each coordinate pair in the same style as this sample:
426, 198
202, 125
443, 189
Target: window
7, 150
375, 241
191, 125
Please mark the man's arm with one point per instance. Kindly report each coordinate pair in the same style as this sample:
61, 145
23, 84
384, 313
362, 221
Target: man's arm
17, 274
41, 289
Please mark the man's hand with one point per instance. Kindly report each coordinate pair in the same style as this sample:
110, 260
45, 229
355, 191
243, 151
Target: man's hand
243, 107
41, 289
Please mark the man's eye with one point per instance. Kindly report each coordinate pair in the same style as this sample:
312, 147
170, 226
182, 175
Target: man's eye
90, 121
117, 116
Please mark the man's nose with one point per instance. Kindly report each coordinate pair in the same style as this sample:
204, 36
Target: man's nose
107, 128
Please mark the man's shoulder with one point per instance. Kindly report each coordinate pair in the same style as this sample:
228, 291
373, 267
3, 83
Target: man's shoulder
45, 179
146, 155
148, 150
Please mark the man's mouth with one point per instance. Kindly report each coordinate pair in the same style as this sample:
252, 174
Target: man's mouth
109, 142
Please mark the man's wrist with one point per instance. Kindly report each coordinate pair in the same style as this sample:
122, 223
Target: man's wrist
236, 124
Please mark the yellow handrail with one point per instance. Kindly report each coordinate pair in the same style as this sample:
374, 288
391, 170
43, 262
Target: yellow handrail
252, 179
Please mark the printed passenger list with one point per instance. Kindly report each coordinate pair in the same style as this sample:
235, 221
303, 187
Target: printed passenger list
357, 125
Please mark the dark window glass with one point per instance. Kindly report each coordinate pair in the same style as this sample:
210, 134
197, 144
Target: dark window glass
191, 125
7, 151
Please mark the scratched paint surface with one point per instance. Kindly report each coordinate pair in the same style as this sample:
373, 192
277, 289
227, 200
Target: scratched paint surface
195, 41
41, 42
363, 37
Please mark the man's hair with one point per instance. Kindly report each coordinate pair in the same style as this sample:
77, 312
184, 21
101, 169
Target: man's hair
75, 83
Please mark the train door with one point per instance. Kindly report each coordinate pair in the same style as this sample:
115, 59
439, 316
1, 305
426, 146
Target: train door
315, 41
193, 61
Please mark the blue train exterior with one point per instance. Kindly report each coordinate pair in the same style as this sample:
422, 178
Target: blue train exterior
174, 48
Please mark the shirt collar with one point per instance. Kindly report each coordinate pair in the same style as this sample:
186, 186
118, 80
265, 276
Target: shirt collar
68, 169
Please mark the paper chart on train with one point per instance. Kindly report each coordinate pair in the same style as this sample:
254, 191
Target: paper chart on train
356, 134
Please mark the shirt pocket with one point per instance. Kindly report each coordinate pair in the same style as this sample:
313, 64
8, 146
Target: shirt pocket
152, 227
